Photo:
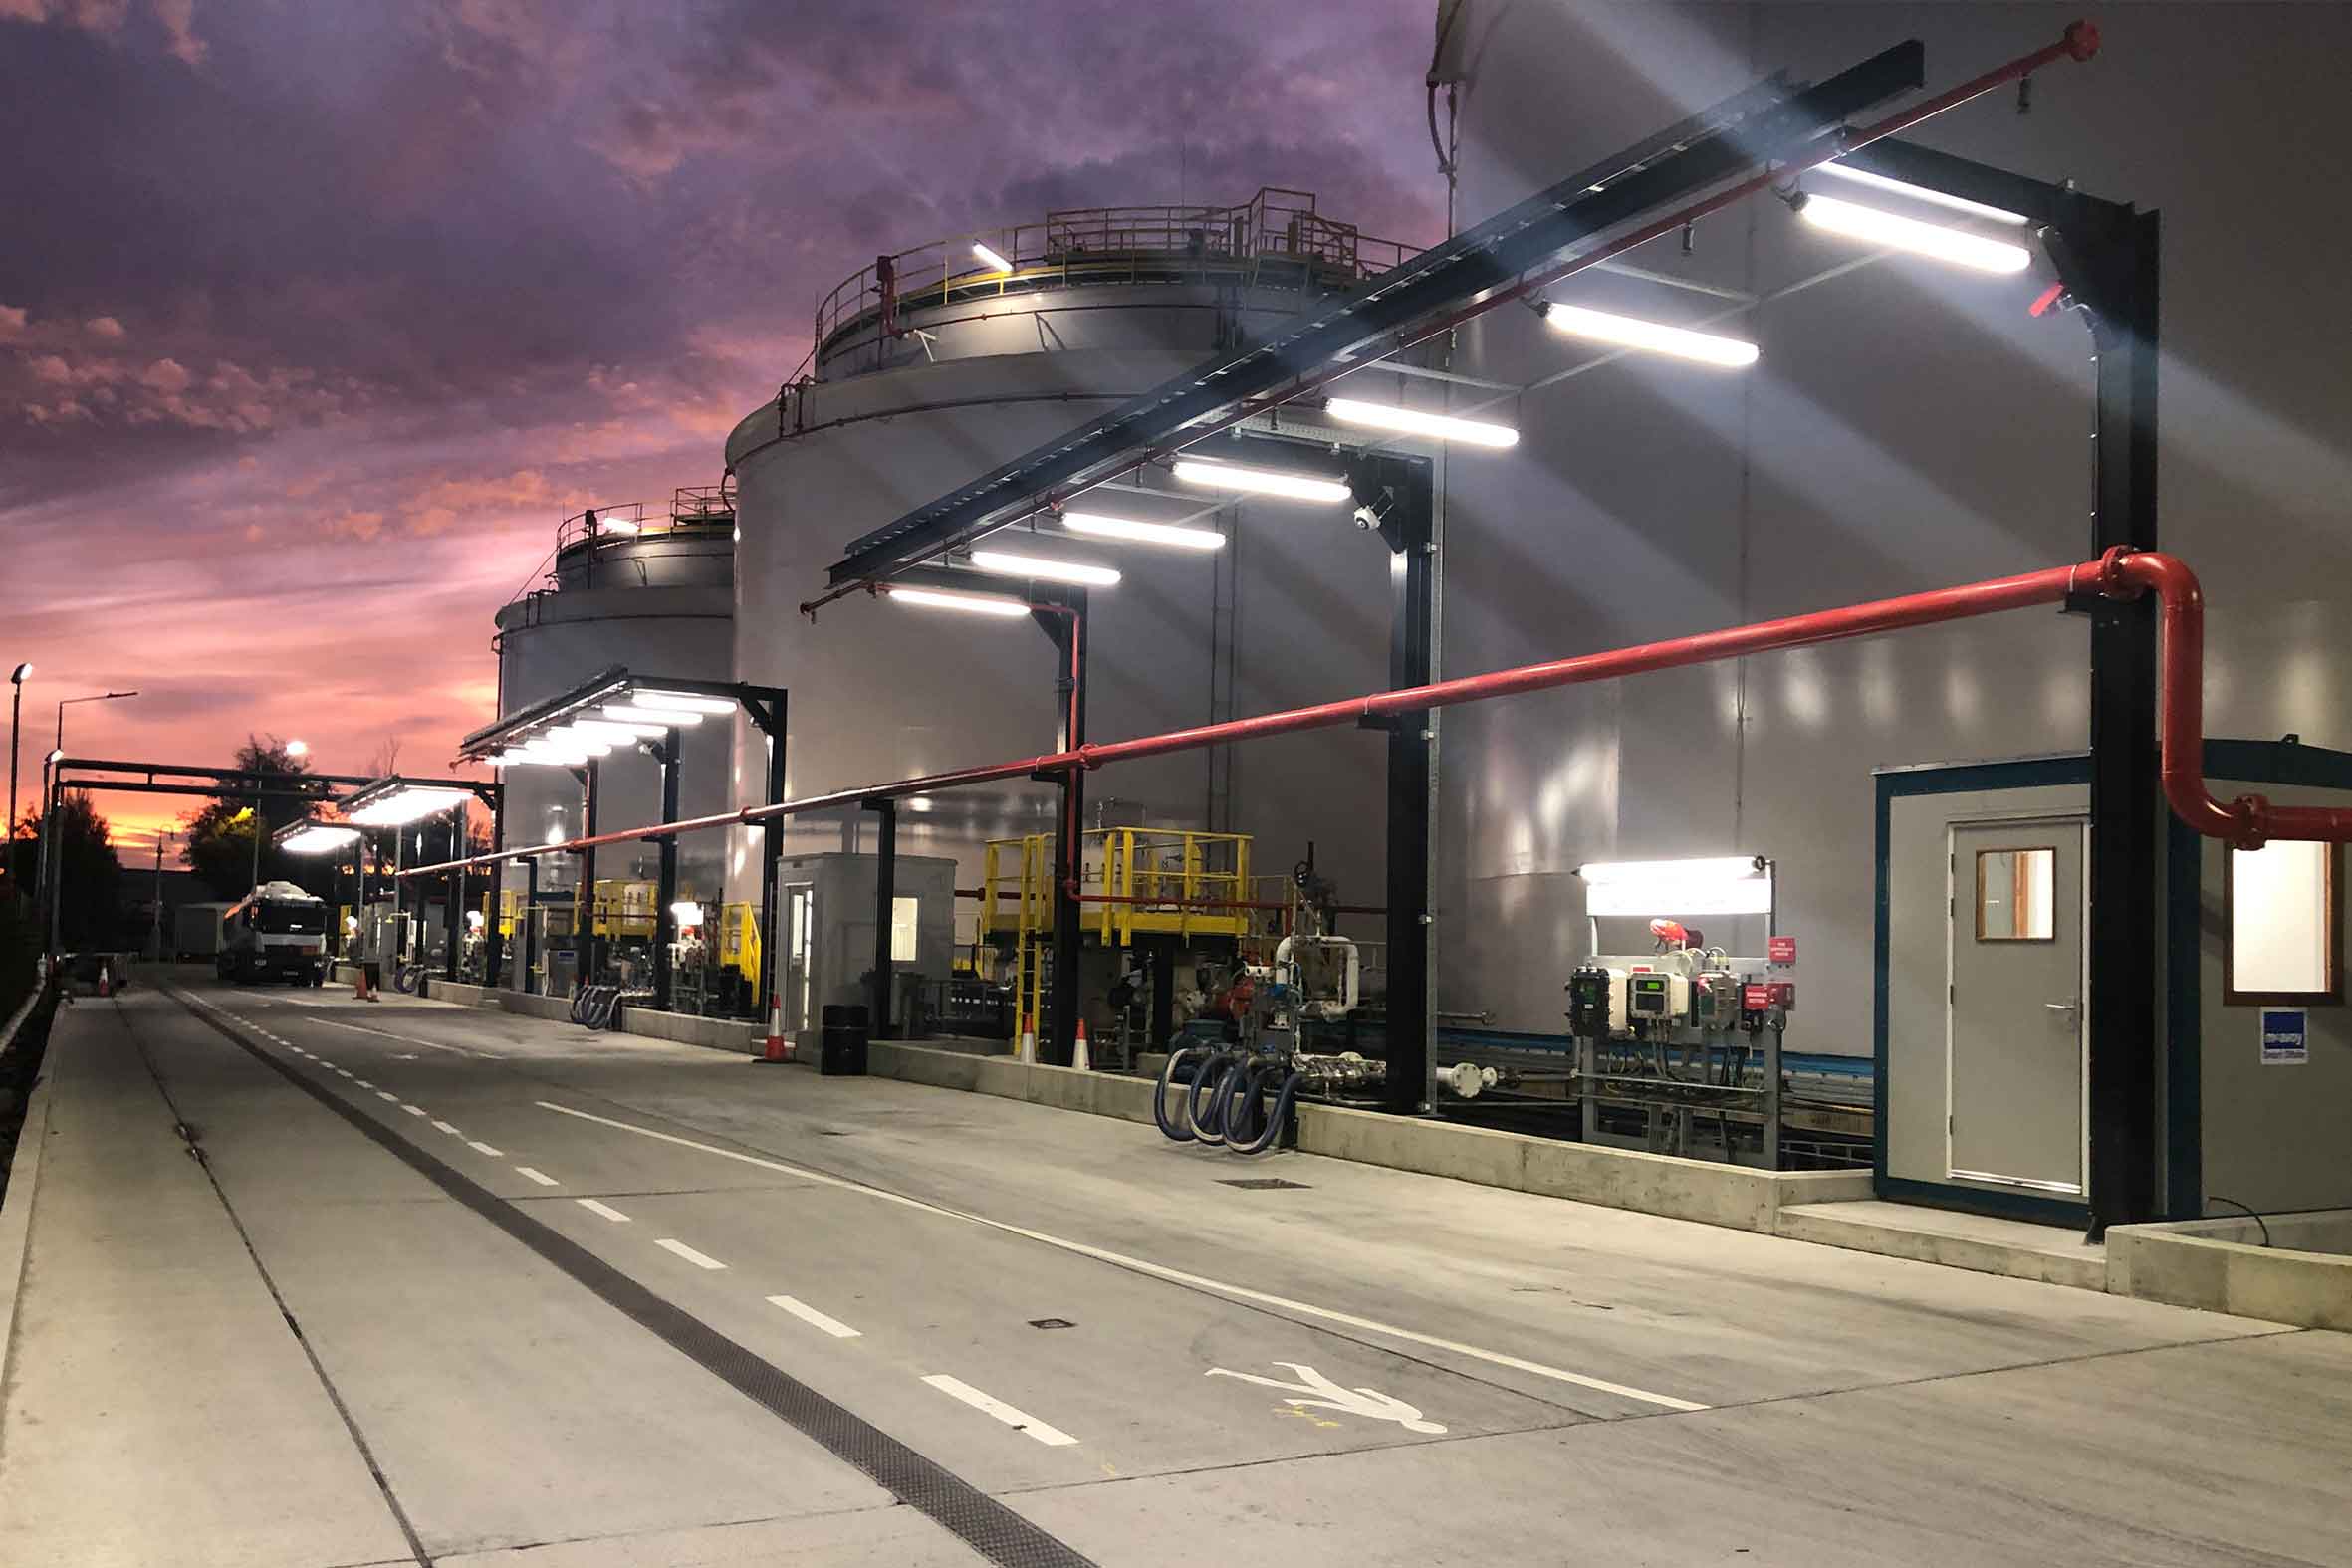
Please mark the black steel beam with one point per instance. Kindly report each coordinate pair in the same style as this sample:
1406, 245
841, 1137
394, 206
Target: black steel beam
1614, 194
665, 885
1067, 626
2128, 840
1401, 494
585, 928
768, 714
878, 1004
191, 771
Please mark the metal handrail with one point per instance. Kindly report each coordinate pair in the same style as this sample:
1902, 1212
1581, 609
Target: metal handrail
1100, 244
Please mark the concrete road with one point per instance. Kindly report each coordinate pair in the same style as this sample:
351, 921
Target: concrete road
587, 1300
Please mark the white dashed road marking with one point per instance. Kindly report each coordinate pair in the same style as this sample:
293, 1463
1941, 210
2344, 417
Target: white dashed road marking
1018, 1421
413, 1111
385, 1094
451, 1131
809, 1314
606, 1210
483, 1148
698, 1259
541, 1177
1155, 1270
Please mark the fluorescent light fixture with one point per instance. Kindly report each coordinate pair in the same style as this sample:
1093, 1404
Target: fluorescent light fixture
599, 730
640, 712
1413, 421
1044, 567
687, 913
1935, 240
318, 838
1174, 535
1261, 480
990, 258
970, 603
1629, 331
404, 804
1723, 885
569, 741
1938, 198
686, 701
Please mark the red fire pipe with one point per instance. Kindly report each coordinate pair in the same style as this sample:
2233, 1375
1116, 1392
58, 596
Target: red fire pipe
2248, 823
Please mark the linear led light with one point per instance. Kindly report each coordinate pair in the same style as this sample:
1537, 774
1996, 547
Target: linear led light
639, 713
1935, 240
564, 738
970, 603
689, 702
1261, 480
1936, 198
1174, 535
1724, 885
400, 807
318, 838
1412, 421
595, 729
1044, 568
1628, 332
990, 258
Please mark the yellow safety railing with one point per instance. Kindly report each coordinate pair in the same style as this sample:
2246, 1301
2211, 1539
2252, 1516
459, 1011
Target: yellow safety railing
1132, 881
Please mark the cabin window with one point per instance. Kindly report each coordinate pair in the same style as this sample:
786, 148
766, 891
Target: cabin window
2286, 924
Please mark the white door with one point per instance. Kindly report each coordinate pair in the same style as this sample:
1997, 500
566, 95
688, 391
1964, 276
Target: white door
792, 976
2016, 1032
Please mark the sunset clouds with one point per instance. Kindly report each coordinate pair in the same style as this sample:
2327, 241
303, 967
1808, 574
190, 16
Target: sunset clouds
315, 318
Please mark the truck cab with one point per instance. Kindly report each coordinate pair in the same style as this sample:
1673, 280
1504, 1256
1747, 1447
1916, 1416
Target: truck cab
276, 932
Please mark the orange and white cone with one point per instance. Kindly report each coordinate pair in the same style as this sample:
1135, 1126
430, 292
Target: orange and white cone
1029, 1042
105, 979
779, 1048
1077, 1053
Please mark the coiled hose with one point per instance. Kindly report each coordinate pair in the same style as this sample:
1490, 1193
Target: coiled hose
596, 1006
404, 978
1219, 1106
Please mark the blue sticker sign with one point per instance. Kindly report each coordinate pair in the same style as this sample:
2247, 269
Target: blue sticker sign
2286, 1037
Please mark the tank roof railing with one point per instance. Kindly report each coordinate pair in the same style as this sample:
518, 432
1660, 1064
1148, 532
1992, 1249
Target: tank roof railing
1274, 239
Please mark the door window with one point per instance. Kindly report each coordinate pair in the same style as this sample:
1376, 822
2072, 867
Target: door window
2014, 895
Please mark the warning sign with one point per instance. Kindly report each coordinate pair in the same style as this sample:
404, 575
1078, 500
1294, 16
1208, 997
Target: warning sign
2286, 1036
1781, 950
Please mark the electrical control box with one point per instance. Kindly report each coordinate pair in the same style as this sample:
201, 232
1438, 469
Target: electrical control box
1714, 1001
1656, 997
1596, 1001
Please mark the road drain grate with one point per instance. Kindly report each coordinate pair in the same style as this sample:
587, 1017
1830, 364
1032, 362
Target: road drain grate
1261, 1183
1050, 1322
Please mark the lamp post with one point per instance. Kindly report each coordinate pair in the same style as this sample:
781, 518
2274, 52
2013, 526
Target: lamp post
67, 701
16, 712
161, 839
43, 881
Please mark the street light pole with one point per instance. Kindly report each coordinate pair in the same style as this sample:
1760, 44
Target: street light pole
16, 713
161, 839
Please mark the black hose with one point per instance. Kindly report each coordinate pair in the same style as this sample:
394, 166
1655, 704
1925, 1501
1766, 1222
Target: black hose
1207, 1122
1273, 1122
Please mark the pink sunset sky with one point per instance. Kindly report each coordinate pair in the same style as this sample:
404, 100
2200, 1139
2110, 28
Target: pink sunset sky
317, 315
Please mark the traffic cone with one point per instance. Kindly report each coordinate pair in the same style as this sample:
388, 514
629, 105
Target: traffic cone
1078, 1053
780, 1049
1029, 1042
105, 978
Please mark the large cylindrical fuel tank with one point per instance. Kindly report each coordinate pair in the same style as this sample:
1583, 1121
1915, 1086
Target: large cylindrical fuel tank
649, 589
953, 370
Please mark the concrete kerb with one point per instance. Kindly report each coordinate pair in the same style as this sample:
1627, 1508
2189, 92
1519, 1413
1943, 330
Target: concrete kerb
2202, 1264
1657, 1183
24, 1181
726, 1034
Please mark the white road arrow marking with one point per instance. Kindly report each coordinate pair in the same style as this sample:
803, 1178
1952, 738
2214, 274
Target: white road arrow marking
1316, 1391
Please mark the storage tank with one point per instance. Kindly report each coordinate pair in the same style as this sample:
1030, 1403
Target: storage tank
649, 588
932, 371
